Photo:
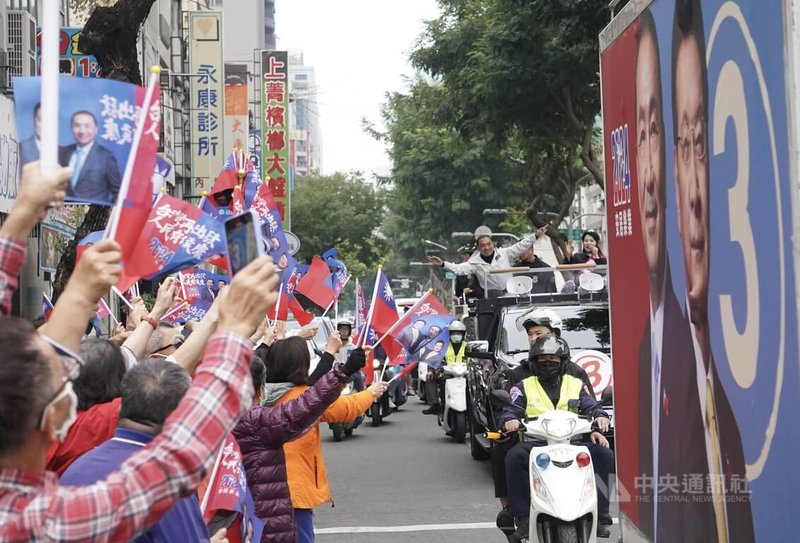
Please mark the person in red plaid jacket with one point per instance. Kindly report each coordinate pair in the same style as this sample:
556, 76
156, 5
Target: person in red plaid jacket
37, 404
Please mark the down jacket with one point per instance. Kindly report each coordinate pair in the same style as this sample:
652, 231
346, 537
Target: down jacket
305, 466
261, 434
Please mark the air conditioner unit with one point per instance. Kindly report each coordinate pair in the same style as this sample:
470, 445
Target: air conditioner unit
21, 43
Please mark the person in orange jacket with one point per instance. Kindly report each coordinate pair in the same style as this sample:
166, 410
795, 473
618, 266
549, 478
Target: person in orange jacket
287, 374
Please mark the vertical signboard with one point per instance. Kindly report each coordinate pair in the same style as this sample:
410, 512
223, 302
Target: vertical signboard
71, 61
207, 99
703, 289
275, 129
236, 117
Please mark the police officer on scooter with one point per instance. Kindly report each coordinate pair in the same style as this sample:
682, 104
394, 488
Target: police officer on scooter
345, 329
536, 323
552, 388
456, 351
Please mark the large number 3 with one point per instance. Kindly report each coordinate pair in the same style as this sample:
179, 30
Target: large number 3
740, 347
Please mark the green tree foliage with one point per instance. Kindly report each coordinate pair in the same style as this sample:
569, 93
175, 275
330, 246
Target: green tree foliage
526, 72
342, 211
441, 180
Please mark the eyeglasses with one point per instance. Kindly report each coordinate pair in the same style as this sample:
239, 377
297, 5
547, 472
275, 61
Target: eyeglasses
692, 139
71, 363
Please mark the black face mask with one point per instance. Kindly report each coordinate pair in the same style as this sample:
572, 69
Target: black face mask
548, 372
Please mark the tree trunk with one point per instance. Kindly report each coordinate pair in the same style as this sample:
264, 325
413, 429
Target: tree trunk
110, 35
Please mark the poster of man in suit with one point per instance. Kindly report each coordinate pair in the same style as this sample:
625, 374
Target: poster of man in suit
96, 130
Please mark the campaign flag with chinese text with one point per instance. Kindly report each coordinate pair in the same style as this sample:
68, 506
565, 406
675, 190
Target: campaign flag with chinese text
338, 269
227, 491
406, 335
176, 235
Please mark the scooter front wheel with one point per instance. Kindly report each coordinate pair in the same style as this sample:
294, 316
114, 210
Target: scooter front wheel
567, 532
459, 427
338, 432
375, 414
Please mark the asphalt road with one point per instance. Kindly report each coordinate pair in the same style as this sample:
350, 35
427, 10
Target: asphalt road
406, 481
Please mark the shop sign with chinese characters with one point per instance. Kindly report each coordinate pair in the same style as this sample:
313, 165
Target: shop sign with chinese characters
275, 129
207, 98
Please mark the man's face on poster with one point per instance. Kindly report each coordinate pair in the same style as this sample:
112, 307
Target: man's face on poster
434, 331
84, 129
650, 152
691, 170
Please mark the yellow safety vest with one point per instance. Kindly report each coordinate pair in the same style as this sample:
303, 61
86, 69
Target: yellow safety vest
539, 402
451, 357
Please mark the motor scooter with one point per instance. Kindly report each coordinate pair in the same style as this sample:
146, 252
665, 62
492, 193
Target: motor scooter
380, 407
342, 429
422, 378
453, 416
562, 482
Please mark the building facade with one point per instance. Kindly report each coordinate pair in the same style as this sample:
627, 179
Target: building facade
306, 133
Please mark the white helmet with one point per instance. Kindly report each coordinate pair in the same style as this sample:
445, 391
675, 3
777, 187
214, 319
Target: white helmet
540, 316
457, 326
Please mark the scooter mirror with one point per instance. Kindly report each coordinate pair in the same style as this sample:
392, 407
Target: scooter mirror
502, 396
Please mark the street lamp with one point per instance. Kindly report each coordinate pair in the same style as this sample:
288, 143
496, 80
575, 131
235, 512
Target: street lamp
435, 244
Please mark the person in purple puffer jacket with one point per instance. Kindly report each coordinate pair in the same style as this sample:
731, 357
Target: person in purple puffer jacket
261, 438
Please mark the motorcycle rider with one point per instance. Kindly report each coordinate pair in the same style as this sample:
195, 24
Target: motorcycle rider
536, 323
345, 329
456, 353
551, 387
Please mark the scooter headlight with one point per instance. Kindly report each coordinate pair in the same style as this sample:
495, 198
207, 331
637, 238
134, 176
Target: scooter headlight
540, 489
459, 370
376, 364
558, 429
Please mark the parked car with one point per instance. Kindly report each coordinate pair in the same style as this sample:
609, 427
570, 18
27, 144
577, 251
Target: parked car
585, 326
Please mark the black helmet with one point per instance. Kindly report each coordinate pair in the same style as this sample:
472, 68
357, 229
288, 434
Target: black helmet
550, 344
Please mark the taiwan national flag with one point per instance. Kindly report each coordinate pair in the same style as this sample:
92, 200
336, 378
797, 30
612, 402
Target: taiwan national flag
384, 312
176, 235
316, 284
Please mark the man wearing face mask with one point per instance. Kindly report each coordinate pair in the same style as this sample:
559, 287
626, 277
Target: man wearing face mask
551, 388
456, 353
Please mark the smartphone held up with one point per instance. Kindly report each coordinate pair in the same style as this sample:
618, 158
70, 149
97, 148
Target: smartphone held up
245, 244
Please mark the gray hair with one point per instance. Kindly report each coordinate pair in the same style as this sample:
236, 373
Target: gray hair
151, 390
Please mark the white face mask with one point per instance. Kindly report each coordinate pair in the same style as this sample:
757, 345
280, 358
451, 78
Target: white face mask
456, 338
61, 433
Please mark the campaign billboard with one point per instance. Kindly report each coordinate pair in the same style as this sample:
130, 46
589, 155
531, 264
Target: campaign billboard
699, 169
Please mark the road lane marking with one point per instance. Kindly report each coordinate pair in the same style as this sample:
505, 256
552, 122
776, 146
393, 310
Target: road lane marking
408, 528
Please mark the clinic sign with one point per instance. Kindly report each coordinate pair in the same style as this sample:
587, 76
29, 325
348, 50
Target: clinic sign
275, 129
207, 98
697, 99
